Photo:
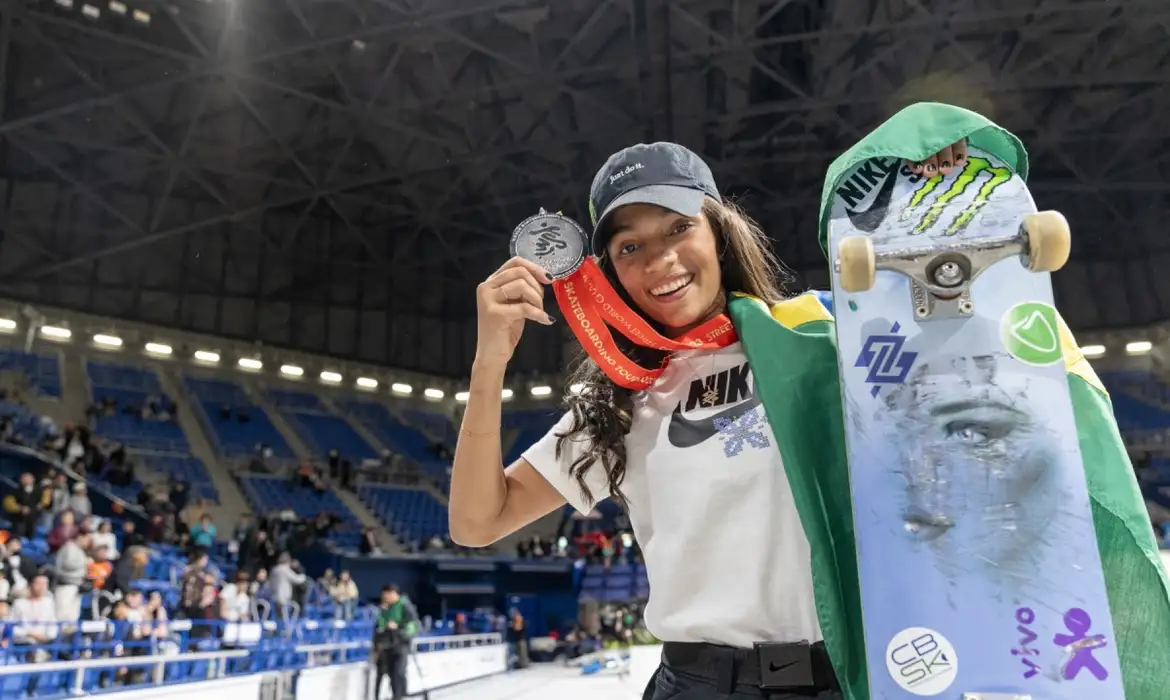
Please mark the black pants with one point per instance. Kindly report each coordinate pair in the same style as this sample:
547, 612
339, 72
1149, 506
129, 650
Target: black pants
711, 672
392, 663
668, 684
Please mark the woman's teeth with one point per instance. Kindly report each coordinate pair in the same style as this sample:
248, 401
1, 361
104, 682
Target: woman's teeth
672, 286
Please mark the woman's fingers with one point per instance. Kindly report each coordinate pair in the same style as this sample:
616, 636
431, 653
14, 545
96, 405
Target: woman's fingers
535, 270
519, 291
514, 274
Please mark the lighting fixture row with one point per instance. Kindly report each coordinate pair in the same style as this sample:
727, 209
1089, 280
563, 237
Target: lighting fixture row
108, 341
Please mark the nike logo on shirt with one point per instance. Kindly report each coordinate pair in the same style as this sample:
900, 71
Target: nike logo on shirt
684, 432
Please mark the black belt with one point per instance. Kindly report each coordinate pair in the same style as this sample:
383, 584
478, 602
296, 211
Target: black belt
796, 668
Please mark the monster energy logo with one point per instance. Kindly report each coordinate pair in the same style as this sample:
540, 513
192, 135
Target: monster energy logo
971, 172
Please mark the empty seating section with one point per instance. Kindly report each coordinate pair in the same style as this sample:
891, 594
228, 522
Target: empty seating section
1138, 400
43, 371
130, 388
397, 436
234, 437
618, 584
267, 494
530, 426
183, 468
412, 515
318, 428
435, 425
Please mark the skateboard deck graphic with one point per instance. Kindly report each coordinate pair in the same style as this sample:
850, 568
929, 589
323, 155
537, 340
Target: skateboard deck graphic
980, 575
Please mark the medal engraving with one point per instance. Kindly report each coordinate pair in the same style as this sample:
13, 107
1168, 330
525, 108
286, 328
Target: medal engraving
554, 242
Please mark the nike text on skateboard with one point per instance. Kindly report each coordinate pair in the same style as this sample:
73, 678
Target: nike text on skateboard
980, 574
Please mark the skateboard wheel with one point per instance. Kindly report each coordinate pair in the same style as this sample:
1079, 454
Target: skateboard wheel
1049, 240
856, 263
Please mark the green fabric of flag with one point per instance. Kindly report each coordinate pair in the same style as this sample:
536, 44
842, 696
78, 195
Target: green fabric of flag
792, 351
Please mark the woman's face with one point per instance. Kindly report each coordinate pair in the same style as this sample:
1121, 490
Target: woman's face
668, 264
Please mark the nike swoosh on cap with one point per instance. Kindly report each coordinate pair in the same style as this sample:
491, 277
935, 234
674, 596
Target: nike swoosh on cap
684, 433
871, 218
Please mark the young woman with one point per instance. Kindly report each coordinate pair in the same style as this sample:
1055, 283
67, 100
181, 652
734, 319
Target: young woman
727, 558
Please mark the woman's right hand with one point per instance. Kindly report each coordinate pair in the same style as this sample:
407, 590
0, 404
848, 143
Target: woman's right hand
512, 295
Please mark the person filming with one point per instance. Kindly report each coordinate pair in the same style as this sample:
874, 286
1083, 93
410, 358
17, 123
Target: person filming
396, 625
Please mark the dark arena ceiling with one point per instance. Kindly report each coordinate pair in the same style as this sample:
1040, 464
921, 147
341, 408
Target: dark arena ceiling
336, 176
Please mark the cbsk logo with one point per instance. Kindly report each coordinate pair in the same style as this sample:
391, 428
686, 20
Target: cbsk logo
886, 361
624, 171
975, 170
922, 661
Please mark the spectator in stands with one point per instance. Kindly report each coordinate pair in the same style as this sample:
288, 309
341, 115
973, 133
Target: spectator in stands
18, 570
203, 534
368, 544
235, 600
24, 507
345, 593
283, 579
100, 566
79, 502
130, 567
71, 569
63, 530
259, 552
156, 614
130, 536
517, 637
58, 494
36, 615
192, 584
105, 539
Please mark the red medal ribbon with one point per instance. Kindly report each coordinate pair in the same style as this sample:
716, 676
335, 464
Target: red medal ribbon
591, 306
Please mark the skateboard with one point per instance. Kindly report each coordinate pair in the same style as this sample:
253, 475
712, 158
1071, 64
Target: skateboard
980, 575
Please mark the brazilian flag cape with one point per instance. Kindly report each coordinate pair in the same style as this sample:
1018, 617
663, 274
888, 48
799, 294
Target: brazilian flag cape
792, 350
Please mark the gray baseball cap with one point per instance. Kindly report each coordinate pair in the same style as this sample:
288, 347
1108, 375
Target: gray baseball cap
666, 174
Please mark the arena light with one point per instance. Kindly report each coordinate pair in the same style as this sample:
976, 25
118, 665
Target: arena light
250, 363
1092, 351
207, 357
142, 17
506, 394
118, 8
1138, 347
367, 383
292, 371
576, 388
434, 394
159, 349
462, 396
7, 325
56, 332
109, 341
401, 389
541, 391
330, 377
91, 12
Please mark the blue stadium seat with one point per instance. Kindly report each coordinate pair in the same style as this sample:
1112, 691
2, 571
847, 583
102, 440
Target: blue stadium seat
232, 437
532, 426
397, 436
318, 428
43, 371
267, 494
410, 514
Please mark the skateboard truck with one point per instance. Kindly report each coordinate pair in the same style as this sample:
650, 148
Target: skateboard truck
941, 273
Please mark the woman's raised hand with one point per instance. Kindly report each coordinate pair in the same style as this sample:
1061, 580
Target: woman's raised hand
507, 299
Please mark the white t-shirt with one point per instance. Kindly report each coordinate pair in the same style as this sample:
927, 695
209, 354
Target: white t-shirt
726, 555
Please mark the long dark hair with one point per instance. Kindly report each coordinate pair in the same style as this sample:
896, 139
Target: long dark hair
603, 411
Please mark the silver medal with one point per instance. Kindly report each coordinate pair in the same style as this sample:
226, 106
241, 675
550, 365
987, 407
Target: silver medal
555, 242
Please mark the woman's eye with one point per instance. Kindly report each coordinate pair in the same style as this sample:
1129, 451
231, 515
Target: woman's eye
627, 249
974, 434
683, 227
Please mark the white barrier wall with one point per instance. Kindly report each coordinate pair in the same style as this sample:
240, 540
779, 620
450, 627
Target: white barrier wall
341, 682
238, 688
436, 669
